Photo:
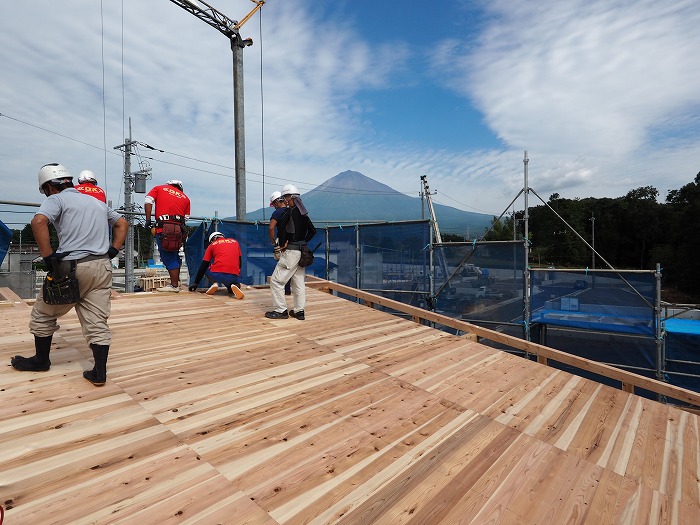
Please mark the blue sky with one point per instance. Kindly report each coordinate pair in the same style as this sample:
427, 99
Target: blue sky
604, 95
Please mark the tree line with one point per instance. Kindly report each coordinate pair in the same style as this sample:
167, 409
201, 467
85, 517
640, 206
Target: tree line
630, 232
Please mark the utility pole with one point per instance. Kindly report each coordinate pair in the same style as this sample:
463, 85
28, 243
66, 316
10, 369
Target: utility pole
229, 28
131, 180
128, 208
433, 218
422, 201
436, 237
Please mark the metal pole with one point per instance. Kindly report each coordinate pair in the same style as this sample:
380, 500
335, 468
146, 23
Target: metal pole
239, 124
593, 249
660, 357
526, 272
129, 246
422, 201
515, 274
358, 276
327, 250
431, 262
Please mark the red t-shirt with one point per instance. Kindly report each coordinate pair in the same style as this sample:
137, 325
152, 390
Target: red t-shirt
226, 255
168, 200
94, 191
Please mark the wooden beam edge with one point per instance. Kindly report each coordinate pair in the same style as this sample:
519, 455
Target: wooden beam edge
543, 353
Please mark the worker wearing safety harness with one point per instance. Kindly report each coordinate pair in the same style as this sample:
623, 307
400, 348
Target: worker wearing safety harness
80, 262
172, 209
278, 203
87, 184
294, 229
222, 265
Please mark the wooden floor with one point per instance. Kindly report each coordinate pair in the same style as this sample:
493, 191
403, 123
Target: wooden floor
214, 414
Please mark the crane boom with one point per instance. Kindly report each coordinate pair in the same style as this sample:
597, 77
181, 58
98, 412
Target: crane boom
215, 18
258, 5
208, 14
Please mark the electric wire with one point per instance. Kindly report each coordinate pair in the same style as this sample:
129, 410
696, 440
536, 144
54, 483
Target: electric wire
262, 116
122, 153
104, 103
49, 131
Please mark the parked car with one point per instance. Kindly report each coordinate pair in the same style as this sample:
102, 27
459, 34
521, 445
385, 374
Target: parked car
488, 293
580, 284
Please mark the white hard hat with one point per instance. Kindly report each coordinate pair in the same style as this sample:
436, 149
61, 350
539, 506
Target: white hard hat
52, 172
87, 176
275, 196
214, 235
290, 189
176, 183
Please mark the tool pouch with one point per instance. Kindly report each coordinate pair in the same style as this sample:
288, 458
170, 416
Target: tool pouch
307, 256
61, 284
172, 236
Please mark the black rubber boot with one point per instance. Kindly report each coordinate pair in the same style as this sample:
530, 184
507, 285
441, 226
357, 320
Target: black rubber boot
98, 375
37, 363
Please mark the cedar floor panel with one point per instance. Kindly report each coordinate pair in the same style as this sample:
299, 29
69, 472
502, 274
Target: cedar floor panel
214, 414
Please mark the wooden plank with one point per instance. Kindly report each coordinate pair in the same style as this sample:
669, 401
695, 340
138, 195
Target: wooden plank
9, 298
352, 416
623, 376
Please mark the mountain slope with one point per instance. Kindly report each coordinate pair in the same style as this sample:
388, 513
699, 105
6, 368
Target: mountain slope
352, 196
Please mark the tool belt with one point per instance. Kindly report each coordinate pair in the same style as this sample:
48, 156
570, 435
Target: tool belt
173, 234
166, 217
61, 283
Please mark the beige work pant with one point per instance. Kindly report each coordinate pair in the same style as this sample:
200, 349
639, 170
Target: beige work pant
288, 267
93, 308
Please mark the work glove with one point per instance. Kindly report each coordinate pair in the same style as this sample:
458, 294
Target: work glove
277, 252
193, 287
48, 261
112, 252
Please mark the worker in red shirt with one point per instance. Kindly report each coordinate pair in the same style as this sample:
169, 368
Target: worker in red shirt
172, 209
87, 184
222, 265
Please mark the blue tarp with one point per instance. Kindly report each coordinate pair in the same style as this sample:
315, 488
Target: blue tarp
5, 238
258, 262
597, 321
683, 326
683, 352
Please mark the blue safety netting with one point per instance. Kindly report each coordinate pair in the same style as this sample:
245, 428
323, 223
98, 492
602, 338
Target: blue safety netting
602, 315
394, 260
342, 241
682, 349
258, 262
5, 238
603, 300
480, 281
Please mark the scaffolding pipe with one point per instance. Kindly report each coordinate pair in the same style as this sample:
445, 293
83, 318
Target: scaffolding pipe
660, 347
526, 273
357, 257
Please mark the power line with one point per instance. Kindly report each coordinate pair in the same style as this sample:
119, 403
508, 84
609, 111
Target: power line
462, 203
52, 132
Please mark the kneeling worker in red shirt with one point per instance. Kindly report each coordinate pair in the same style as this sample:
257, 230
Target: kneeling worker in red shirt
222, 265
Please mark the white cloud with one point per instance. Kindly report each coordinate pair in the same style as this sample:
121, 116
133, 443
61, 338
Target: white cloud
603, 95
585, 77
